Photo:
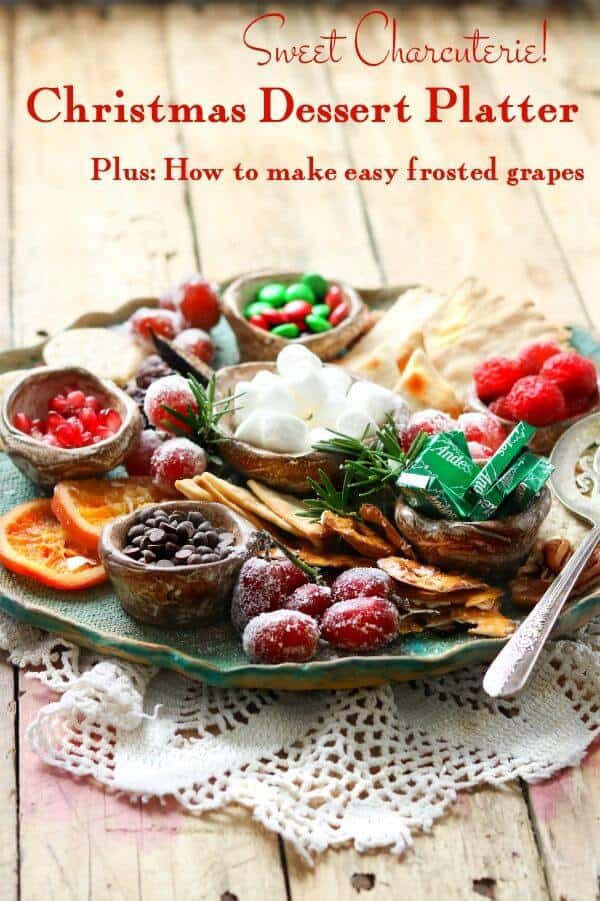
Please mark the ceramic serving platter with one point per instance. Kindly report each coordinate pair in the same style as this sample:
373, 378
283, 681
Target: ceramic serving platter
214, 654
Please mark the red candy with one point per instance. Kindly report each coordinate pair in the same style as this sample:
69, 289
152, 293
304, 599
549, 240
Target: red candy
533, 356
199, 303
273, 317
576, 376
482, 429
196, 342
74, 420
360, 624
281, 636
137, 463
177, 458
296, 311
334, 297
433, 422
495, 377
164, 323
366, 581
536, 400
171, 391
340, 312
259, 321
310, 599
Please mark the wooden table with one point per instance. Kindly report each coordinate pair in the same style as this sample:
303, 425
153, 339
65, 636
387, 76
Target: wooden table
69, 245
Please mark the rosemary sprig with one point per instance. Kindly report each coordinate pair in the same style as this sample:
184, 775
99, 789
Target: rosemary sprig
201, 424
328, 497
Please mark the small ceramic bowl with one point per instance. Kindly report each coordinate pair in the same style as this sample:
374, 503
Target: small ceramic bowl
176, 596
257, 344
546, 436
288, 472
46, 465
493, 550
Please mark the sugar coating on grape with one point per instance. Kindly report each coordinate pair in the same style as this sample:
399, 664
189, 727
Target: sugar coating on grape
310, 599
433, 422
295, 355
262, 585
196, 341
177, 458
290, 576
170, 391
360, 624
483, 429
282, 636
362, 580
479, 451
137, 462
165, 323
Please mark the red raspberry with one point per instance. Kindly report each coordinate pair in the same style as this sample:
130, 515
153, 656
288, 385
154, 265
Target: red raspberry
578, 405
482, 429
430, 421
360, 624
533, 356
310, 599
576, 376
362, 581
282, 636
495, 377
500, 408
536, 400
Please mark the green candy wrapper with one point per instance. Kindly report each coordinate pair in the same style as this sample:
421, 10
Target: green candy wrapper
494, 497
499, 463
446, 458
423, 491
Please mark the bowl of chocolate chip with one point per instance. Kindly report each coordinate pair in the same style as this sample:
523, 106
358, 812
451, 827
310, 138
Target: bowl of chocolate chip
174, 564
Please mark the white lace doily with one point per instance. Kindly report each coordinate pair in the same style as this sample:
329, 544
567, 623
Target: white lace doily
369, 766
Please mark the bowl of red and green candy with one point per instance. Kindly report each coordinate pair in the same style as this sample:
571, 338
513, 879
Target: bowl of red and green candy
267, 310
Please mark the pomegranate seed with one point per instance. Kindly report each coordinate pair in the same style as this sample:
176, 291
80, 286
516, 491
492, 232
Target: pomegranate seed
88, 419
76, 400
22, 422
59, 404
111, 419
93, 403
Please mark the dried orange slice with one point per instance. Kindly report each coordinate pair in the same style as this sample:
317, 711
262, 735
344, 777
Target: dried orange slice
33, 543
85, 506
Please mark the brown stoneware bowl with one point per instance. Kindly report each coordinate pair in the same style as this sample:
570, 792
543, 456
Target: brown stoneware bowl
175, 596
48, 465
288, 472
257, 344
546, 436
493, 550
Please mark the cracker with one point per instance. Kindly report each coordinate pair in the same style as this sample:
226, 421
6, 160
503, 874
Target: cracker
194, 492
246, 503
490, 623
358, 535
287, 508
108, 353
427, 578
481, 598
373, 515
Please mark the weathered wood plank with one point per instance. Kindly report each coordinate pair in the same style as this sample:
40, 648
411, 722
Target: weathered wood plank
81, 245
566, 817
439, 232
248, 225
571, 208
78, 841
483, 847
8, 787
6, 24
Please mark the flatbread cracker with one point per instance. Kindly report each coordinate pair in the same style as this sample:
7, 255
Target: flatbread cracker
194, 492
373, 515
245, 501
427, 578
490, 623
423, 386
358, 535
287, 508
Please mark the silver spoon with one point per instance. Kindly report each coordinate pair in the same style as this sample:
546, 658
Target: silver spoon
512, 667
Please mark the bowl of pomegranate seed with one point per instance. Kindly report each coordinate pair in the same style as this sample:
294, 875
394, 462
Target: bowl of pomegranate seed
61, 423
175, 563
269, 310
546, 385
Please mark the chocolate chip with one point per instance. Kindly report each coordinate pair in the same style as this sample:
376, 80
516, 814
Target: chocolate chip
196, 518
171, 548
186, 529
195, 559
212, 539
155, 536
165, 562
136, 531
131, 550
139, 540
184, 554
204, 527
148, 557
210, 558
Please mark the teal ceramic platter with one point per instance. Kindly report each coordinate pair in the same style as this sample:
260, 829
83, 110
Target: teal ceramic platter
214, 654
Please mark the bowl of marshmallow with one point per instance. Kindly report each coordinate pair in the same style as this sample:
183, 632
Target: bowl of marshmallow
282, 409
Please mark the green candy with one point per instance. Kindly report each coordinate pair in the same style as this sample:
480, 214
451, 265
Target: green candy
322, 310
317, 323
286, 330
299, 291
256, 308
317, 284
273, 294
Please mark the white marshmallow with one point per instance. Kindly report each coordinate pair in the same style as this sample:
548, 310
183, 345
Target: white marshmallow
295, 355
265, 379
374, 400
336, 378
251, 429
307, 389
284, 433
319, 434
334, 404
272, 395
355, 423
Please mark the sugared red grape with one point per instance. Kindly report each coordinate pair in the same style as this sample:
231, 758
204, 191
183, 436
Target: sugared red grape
290, 575
164, 323
263, 585
281, 636
137, 462
360, 624
479, 451
433, 422
150, 370
310, 599
482, 429
177, 458
172, 391
364, 581
199, 302
197, 342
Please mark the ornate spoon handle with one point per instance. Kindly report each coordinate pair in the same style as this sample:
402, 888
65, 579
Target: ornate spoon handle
512, 667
